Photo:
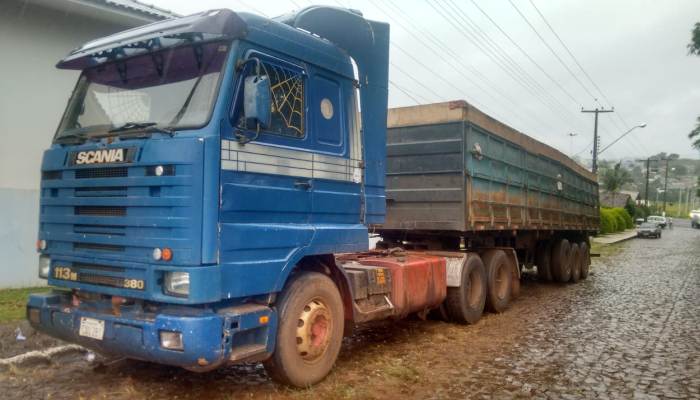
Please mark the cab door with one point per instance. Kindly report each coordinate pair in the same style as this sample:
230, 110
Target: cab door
337, 183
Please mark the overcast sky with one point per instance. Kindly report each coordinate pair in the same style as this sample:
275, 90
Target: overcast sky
634, 51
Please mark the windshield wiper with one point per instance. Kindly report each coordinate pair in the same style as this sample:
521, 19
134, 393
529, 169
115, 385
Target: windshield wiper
76, 137
128, 126
134, 129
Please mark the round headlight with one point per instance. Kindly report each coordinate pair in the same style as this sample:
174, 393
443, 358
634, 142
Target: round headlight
159, 170
157, 254
41, 244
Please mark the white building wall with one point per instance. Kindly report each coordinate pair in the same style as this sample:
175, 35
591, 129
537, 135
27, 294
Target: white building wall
33, 94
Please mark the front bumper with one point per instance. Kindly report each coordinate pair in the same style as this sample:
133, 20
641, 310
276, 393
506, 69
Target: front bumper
209, 336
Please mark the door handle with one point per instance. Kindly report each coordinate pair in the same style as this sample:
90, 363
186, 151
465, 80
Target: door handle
303, 184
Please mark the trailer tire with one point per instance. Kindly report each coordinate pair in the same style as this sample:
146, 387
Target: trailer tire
465, 304
310, 331
561, 261
543, 258
585, 259
499, 280
575, 258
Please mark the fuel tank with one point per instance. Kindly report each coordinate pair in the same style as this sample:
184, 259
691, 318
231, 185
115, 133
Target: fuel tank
417, 280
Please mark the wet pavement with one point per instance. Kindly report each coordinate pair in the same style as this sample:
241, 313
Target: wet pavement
631, 330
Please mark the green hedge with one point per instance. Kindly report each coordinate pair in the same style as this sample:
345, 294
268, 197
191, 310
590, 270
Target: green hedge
615, 220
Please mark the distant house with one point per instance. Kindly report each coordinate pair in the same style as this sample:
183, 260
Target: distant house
34, 35
619, 199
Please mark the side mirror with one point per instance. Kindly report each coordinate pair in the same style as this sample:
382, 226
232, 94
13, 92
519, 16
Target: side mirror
256, 100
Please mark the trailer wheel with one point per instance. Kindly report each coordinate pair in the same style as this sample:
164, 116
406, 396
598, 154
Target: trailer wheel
585, 259
575, 258
543, 257
310, 331
499, 278
465, 304
561, 261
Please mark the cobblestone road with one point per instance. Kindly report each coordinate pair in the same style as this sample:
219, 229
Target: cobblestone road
631, 330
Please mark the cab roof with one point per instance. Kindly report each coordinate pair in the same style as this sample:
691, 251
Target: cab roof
222, 24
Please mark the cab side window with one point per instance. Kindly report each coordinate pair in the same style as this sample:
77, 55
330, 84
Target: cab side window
287, 85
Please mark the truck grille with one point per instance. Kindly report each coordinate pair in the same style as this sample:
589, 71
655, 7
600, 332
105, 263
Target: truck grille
110, 172
97, 246
51, 175
101, 211
117, 214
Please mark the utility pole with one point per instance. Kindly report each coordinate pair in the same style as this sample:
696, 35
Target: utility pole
595, 134
665, 185
646, 182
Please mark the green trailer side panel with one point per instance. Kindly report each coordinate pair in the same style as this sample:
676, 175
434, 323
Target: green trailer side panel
457, 176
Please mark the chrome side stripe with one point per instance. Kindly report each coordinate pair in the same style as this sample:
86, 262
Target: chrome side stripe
254, 157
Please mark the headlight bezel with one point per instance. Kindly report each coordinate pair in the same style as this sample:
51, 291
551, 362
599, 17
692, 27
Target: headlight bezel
44, 266
171, 340
176, 283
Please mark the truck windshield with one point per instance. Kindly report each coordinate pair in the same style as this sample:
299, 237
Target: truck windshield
165, 90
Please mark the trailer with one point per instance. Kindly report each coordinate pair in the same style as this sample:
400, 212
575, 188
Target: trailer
461, 181
209, 193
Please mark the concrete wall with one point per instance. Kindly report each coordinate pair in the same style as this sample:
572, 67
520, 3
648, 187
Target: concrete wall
33, 94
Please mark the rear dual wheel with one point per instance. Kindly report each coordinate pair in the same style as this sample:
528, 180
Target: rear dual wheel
585, 259
499, 278
575, 260
561, 261
465, 304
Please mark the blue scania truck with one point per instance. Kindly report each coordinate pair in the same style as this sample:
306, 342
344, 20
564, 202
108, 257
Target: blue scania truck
208, 195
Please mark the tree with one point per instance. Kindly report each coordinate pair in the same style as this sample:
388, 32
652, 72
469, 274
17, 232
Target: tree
694, 135
694, 45
694, 48
615, 178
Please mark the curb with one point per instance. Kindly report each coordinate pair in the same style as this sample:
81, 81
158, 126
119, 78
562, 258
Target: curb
616, 241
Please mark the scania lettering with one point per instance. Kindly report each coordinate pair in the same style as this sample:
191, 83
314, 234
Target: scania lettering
100, 156
209, 193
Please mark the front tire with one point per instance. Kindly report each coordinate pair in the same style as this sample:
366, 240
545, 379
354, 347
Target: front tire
310, 331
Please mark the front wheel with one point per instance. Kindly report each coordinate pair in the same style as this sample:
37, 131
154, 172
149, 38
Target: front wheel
310, 331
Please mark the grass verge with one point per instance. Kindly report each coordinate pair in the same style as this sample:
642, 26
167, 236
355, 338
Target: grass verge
13, 301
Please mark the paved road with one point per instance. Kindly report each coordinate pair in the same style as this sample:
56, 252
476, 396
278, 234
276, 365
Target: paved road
632, 330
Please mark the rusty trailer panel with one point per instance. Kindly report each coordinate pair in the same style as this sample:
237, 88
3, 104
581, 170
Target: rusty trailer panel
451, 167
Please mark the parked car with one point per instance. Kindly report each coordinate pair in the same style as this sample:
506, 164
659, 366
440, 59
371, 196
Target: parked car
657, 219
649, 229
695, 219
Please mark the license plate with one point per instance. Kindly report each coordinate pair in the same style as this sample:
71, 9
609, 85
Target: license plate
92, 328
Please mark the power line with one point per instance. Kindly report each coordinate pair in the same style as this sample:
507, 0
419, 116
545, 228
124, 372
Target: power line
571, 54
404, 91
585, 73
449, 61
445, 14
421, 84
525, 53
553, 52
500, 53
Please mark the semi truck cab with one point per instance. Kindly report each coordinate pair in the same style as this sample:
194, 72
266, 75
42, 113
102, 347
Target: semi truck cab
203, 168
